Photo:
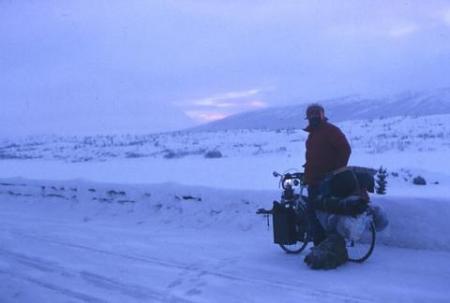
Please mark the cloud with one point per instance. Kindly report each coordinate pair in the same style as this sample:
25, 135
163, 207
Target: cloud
229, 99
77, 57
257, 104
403, 30
447, 17
222, 105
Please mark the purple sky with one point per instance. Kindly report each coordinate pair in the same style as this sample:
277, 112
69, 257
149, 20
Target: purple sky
142, 66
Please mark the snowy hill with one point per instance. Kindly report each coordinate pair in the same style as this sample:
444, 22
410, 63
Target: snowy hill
341, 109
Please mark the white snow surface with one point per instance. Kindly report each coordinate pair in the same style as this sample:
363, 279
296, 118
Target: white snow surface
125, 218
75, 241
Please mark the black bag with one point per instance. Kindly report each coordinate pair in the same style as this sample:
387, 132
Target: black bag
341, 184
366, 180
284, 225
344, 182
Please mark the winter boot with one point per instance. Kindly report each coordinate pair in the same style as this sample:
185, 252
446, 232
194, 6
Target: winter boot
330, 254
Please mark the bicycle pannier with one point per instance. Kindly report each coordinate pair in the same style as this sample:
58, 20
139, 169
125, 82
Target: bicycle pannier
284, 230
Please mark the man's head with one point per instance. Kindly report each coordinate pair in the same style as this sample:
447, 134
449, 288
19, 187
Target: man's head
315, 114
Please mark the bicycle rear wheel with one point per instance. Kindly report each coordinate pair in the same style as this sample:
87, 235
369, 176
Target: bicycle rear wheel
361, 249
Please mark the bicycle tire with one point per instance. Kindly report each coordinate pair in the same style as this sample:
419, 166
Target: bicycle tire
296, 248
294, 251
360, 258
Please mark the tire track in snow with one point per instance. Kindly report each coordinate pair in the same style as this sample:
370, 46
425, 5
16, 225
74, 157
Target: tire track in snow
35, 262
311, 290
58, 289
99, 281
131, 290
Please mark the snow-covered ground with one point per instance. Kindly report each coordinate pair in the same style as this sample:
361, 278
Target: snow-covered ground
95, 242
375, 136
247, 172
154, 219
406, 146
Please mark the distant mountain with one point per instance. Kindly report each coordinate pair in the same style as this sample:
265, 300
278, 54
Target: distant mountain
341, 109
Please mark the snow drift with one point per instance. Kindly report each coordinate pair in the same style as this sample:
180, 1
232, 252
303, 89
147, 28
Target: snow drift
418, 223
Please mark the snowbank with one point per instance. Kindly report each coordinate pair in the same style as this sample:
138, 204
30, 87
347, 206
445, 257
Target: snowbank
418, 223
158, 205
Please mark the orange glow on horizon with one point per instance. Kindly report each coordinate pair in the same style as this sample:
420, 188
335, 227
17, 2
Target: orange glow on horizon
257, 104
205, 117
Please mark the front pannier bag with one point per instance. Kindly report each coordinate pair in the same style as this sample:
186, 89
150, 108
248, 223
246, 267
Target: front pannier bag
284, 224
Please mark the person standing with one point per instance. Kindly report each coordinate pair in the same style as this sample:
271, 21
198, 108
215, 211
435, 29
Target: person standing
327, 149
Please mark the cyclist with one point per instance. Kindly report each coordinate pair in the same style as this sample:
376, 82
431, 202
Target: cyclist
327, 150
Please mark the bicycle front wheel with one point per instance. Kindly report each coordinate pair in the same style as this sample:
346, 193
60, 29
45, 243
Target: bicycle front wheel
294, 248
299, 246
361, 249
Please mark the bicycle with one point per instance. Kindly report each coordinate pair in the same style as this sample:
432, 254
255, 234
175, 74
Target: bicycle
290, 223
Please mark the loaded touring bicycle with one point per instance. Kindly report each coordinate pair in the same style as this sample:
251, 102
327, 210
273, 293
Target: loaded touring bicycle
290, 224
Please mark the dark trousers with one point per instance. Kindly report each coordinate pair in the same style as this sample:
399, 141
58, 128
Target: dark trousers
315, 229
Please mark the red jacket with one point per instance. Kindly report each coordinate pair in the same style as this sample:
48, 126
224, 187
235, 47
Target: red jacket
327, 149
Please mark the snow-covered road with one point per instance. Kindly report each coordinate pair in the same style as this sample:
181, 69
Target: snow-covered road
54, 250
45, 261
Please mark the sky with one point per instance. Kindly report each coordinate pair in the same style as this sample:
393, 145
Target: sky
80, 66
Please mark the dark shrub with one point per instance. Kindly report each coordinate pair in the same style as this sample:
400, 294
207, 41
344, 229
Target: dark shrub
381, 181
419, 181
213, 154
170, 154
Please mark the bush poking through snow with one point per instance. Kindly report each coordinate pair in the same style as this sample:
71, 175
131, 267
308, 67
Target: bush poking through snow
134, 155
213, 154
381, 181
419, 180
188, 197
170, 154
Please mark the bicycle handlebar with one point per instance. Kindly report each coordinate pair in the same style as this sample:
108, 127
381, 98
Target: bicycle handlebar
289, 176
297, 175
